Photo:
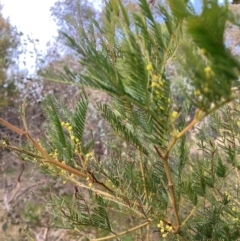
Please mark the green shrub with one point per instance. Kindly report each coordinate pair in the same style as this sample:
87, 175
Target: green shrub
171, 169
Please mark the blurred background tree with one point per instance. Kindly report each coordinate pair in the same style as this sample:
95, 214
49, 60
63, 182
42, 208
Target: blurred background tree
8, 44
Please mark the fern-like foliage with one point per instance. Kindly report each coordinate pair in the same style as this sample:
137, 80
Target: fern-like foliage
81, 212
172, 165
131, 65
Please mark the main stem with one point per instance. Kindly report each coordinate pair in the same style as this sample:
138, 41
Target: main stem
171, 189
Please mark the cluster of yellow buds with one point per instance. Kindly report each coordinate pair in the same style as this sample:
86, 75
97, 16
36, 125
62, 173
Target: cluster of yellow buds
69, 129
88, 156
67, 126
157, 85
197, 92
39, 143
77, 151
174, 115
156, 82
4, 143
89, 181
54, 154
203, 51
233, 208
149, 67
36, 150
86, 159
110, 184
228, 196
236, 220
209, 72
164, 228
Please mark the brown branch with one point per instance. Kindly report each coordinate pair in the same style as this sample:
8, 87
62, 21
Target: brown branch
122, 233
13, 193
21, 172
11, 127
212, 159
143, 175
45, 155
16, 149
46, 158
171, 189
95, 180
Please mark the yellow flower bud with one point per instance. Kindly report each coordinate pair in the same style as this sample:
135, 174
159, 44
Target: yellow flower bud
197, 92
209, 72
168, 228
207, 69
154, 84
154, 78
203, 51
164, 235
174, 114
88, 155
149, 67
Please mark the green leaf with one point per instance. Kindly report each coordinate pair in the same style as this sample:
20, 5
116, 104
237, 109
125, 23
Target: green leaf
79, 116
121, 129
221, 169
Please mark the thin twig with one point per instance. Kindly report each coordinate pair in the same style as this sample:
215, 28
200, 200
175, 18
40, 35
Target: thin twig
122, 233
30, 187
16, 149
143, 175
11, 127
148, 232
212, 160
16, 188
105, 195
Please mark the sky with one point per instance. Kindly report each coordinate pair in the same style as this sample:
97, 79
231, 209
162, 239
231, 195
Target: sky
33, 18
